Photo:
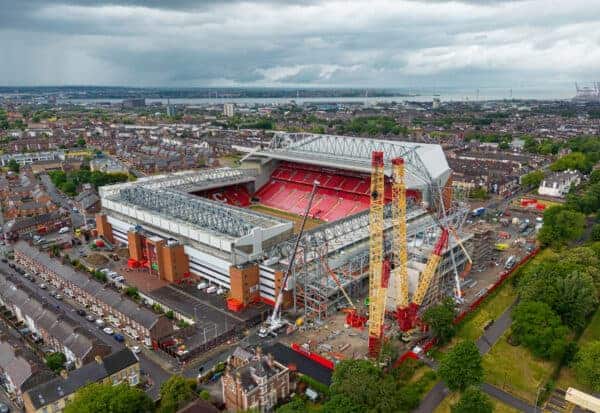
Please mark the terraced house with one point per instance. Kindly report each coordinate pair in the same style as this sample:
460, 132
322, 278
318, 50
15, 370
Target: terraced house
137, 321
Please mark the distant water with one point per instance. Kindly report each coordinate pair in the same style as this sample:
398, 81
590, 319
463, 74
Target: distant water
426, 95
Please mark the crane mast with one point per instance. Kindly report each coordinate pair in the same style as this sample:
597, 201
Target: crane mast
399, 242
376, 265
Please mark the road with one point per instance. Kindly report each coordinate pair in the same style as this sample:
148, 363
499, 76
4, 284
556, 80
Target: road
68, 309
487, 340
61, 199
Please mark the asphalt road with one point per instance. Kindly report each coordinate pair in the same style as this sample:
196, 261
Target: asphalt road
68, 309
61, 199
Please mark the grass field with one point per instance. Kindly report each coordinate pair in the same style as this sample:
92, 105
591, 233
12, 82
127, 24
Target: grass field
566, 377
452, 398
297, 219
515, 370
491, 309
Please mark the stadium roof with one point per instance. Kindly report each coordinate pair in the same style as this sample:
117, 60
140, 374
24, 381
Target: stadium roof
425, 163
164, 202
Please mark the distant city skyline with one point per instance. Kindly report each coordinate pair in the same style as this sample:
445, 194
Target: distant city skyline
300, 43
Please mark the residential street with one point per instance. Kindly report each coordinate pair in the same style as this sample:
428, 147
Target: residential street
68, 309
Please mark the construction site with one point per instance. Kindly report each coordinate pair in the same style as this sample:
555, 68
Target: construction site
386, 238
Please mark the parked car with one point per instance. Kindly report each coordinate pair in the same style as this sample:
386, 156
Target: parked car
119, 337
4, 408
100, 322
81, 312
136, 349
202, 285
90, 318
211, 290
58, 296
108, 331
43, 286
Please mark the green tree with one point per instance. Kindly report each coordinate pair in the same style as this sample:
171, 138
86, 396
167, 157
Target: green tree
532, 179
205, 395
350, 375
539, 329
102, 398
574, 161
176, 393
472, 401
566, 288
80, 142
595, 235
56, 361
461, 366
587, 365
296, 405
340, 404
561, 225
13, 165
440, 318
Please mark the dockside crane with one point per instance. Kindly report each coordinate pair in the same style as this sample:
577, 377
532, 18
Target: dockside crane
275, 323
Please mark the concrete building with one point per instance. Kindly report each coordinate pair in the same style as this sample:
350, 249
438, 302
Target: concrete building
255, 382
558, 184
52, 397
228, 109
138, 322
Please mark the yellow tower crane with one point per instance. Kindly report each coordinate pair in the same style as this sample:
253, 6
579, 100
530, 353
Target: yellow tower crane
377, 269
399, 242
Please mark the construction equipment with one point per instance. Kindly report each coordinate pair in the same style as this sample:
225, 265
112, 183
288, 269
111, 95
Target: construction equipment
408, 316
399, 242
275, 323
378, 268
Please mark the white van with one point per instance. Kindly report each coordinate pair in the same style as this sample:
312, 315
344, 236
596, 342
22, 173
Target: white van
211, 290
202, 285
64, 230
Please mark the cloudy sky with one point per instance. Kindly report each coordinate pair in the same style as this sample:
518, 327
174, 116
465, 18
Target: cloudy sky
391, 43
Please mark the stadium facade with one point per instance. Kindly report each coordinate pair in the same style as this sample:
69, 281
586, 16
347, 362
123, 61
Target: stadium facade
201, 223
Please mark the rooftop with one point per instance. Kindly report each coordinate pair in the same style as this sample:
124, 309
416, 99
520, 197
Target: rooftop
60, 387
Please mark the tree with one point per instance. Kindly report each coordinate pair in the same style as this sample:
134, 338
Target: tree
56, 361
81, 142
566, 284
440, 318
473, 401
350, 375
587, 365
339, 404
561, 225
461, 366
176, 393
205, 395
595, 235
13, 165
539, 329
532, 179
296, 405
101, 398
575, 161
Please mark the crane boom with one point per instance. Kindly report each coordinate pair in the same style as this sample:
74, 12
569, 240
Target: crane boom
275, 322
376, 269
399, 243
429, 271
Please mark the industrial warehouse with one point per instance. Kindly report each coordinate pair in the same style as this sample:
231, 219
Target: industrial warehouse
206, 225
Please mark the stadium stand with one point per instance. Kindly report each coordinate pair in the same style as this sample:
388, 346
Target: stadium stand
236, 195
340, 193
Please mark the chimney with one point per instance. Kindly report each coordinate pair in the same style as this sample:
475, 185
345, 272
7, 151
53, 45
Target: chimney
64, 374
98, 359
